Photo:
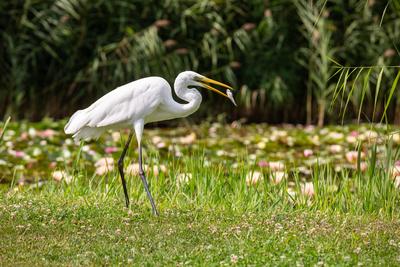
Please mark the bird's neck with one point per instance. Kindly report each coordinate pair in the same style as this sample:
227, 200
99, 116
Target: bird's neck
192, 96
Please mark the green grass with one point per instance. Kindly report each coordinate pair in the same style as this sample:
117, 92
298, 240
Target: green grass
214, 218
50, 229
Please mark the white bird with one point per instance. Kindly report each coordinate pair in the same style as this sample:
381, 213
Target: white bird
137, 103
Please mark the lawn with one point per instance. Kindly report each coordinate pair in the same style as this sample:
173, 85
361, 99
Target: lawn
227, 194
53, 230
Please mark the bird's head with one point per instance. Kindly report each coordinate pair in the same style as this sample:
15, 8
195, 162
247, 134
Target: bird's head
192, 78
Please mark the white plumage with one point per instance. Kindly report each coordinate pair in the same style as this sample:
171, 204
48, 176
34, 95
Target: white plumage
137, 103
119, 108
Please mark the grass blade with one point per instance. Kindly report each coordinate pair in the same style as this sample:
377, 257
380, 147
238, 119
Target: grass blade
4, 129
365, 86
335, 62
378, 86
383, 14
394, 85
339, 86
351, 93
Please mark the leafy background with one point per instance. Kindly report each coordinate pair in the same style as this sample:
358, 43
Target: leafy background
288, 57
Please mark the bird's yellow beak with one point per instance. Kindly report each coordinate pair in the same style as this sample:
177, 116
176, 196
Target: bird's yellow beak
204, 80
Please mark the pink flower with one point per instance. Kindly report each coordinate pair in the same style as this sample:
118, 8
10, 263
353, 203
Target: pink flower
160, 168
110, 149
397, 181
133, 169
352, 156
263, 163
363, 166
396, 170
16, 153
104, 165
156, 139
307, 189
352, 137
276, 166
158, 142
273, 165
24, 136
19, 154
277, 177
61, 175
253, 178
104, 162
335, 149
354, 133
101, 170
188, 139
308, 152
48, 133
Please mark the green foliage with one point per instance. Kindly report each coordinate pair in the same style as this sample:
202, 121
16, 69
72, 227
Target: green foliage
354, 85
58, 56
315, 57
370, 60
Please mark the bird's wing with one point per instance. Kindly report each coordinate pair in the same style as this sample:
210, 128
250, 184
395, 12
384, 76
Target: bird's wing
123, 105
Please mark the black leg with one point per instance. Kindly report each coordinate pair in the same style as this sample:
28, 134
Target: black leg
146, 187
121, 169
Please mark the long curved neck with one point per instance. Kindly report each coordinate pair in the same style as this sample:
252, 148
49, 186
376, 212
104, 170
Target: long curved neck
192, 96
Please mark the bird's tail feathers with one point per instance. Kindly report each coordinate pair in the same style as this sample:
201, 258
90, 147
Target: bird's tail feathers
86, 133
78, 126
78, 120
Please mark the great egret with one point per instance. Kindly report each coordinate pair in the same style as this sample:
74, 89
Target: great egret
137, 103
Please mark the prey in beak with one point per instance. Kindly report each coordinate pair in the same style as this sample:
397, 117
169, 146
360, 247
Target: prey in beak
203, 83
